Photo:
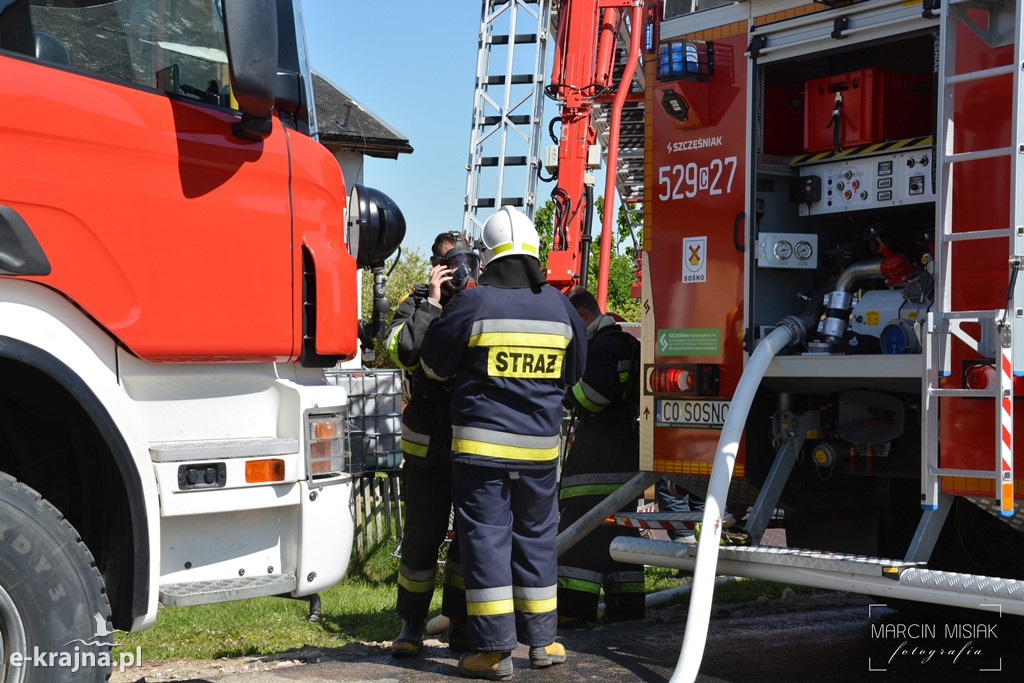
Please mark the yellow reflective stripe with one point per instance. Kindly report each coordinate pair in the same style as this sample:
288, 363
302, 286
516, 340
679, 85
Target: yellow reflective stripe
589, 490
490, 607
493, 450
579, 585
415, 586
455, 580
506, 246
413, 449
536, 606
392, 344
579, 392
525, 339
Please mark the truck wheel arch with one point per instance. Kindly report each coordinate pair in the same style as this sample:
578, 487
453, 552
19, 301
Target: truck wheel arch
109, 490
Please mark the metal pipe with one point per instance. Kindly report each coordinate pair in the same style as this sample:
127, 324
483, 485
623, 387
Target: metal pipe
625, 83
609, 506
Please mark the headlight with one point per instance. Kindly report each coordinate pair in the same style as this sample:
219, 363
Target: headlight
325, 443
376, 227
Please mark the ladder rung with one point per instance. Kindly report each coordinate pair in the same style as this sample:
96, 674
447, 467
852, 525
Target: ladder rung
968, 316
976, 235
509, 161
520, 79
978, 154
965, 393
488, 202
518, 119
981, 74
519, 39
949, 472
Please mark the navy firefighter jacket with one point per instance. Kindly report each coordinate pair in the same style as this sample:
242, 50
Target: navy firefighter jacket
513, 350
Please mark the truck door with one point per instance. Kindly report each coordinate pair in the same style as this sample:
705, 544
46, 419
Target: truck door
694, 242
118, 155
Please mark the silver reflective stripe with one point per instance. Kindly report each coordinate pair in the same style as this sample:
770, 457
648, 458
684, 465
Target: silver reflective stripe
415, 437
504, 438
430, 373
517, 325
488, 594
417, 574
534, 592
593, 396
581, 574
625, 577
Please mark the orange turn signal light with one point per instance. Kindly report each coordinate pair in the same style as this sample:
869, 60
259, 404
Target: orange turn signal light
261, 471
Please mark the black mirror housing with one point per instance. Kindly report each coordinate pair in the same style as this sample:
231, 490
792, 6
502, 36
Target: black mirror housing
250, 28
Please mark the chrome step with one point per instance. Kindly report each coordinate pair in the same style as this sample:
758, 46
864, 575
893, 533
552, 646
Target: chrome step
885, 578
223, 590
982, 586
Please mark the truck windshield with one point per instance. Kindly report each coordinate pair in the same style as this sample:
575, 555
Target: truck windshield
176, 46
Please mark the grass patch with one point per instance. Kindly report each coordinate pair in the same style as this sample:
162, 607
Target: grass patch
360, 608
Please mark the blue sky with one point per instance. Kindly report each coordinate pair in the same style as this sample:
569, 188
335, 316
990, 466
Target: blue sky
413, 64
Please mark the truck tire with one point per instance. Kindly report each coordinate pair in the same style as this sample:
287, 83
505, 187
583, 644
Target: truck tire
54, 610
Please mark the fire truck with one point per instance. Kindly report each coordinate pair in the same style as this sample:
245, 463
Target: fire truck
178, 265
833, 230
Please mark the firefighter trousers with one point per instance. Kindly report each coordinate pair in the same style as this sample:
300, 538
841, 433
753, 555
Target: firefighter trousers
506, 523
428, 503
587, 567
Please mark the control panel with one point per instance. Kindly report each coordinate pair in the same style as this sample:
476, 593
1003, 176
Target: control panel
868, 182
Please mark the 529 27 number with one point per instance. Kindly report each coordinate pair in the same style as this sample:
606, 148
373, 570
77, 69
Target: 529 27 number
686, 181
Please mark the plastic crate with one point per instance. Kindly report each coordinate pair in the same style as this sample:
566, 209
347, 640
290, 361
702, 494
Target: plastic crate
375, 410
877, 105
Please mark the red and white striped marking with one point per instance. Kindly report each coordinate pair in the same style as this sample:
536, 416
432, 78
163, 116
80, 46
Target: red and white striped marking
1005, 464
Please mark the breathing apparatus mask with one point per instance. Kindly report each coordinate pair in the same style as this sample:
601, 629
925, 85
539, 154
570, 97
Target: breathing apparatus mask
464, 264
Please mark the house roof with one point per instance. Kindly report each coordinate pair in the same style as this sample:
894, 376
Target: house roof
342, 121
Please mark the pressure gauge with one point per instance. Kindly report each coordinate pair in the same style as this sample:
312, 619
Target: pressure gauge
783, 250
804, 250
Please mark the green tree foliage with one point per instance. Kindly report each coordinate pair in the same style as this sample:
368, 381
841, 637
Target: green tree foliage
622, 266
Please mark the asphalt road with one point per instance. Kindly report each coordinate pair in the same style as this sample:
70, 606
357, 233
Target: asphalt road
832, 637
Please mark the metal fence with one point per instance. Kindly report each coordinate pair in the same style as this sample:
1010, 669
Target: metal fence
375, 410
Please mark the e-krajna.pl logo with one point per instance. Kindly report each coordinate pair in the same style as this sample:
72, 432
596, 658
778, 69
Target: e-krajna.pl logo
76, 659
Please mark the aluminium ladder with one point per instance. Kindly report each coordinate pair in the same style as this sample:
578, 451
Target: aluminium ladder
999, 328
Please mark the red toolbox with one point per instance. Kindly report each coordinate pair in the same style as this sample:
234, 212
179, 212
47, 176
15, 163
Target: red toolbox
877, 105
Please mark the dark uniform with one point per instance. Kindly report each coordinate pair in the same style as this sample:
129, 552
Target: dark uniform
426, 445
605, 454
515, 344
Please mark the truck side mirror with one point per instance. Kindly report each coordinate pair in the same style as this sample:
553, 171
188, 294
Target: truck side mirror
250, 30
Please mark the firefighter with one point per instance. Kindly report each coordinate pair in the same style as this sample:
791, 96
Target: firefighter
426, 441
605, 453
513, 344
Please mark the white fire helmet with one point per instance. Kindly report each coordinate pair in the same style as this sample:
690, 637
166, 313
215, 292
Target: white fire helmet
508, 232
